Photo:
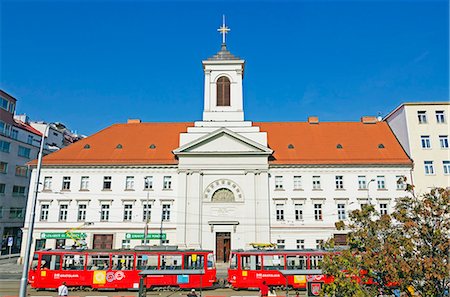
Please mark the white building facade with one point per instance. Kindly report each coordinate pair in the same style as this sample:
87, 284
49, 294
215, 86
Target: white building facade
220, 183
423, 130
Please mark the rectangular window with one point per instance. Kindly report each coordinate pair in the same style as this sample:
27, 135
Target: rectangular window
127, 212
297, 182
300, 244
63, 212
2, 189
66, 183
381, 182
422, 117
126, 243
1, 212
4, 146
318, 212
443, 140
440, 117
107, 182
3, 167
129, 183
429, 168
298, 208
319, 245
104, 212
4, 103
47, 183
15, 213
341, 211
281, 244
165, 212
147, 212
5, 129
279, 212
362, 185
316, 183
148, 183
339, 182
18, 191
278, 182
446, 165
400, 182
383, 209
24, 152
81, 217
84, 183
14, 134
30, 139
22, 171
44, 212
425, 141
167, 182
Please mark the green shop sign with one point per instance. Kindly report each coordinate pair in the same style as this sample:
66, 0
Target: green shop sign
56, 235
141, 236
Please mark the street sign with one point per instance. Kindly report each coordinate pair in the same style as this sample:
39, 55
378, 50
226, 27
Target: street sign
141, 236
10, 241
56, 235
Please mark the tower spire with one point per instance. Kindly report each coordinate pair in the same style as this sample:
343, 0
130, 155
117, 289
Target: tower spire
223, 30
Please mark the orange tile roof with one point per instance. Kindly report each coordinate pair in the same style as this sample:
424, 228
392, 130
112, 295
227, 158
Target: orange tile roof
135, 139
27, 127
312, 144
317, 143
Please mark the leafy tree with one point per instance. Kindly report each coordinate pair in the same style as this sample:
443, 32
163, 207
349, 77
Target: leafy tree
406, 250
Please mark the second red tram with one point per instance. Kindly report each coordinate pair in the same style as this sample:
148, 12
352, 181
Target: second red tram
248, 269
119, 269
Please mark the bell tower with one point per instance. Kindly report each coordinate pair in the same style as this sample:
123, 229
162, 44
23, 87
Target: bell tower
223, 84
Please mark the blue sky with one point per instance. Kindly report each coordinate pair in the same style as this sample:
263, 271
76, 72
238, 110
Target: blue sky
90, 64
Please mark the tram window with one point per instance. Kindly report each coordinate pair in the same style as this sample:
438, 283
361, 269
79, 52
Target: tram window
233, 261
50, 262
34, 263
273, 262
147, 262
73, 262
296, 262
315, 262
211, 261
194, 261
170, 262
122, 262
98, 262
252, 262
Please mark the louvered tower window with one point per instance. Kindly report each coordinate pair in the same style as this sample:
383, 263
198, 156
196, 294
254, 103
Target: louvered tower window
223, 91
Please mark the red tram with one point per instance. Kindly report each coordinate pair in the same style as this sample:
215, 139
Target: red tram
119, 269
294, 268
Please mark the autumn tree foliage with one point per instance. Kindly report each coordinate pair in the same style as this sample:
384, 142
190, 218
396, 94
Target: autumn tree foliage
408, 250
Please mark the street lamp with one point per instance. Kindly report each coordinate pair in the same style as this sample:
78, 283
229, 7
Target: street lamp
368, 188
26, 264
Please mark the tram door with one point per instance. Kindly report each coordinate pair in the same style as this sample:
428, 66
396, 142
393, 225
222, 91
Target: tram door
103, 241
223, 246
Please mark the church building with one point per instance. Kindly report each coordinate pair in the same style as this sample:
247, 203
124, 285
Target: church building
220, 183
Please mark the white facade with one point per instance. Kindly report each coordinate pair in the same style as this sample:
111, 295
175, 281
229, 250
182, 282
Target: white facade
223, 192
423, 130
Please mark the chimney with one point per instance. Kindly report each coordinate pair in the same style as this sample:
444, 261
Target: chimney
369, 120
134, 121
313, 120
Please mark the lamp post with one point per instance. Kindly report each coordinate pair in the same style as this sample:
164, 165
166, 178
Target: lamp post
146, 181
368, 188
26, 264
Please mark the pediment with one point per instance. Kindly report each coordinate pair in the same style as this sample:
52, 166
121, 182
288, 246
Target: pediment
223, 141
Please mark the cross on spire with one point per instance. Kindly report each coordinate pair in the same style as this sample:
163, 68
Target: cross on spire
223, 29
